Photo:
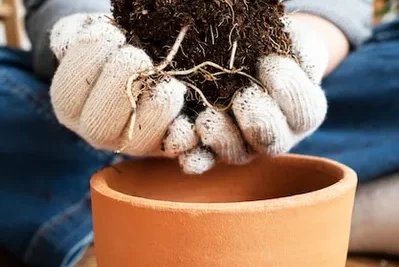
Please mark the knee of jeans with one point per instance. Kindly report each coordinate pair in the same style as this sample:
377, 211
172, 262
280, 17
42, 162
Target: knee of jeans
15, 57
28, 120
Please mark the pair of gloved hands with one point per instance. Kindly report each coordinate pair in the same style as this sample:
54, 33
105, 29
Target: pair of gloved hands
89, 97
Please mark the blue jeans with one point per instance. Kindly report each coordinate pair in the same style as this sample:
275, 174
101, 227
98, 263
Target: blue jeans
362, 125
45, 216
44, 172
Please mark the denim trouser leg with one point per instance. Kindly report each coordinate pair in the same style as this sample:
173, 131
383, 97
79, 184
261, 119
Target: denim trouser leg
362, 126
45, 216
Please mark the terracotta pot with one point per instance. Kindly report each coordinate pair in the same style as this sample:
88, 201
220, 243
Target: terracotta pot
289, 211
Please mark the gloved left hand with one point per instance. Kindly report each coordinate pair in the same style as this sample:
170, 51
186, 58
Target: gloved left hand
90, 93
271, 122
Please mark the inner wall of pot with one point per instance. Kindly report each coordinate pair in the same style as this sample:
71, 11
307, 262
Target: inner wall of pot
163, 180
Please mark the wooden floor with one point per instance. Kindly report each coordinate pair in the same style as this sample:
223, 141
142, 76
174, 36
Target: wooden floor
90, 261
363, 262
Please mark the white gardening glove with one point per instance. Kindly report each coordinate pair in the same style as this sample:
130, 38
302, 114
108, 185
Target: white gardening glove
271, 122
89, 91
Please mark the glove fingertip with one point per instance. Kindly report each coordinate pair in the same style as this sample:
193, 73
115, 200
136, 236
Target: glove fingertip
67, 31
181, 137
197, 161
62, 33
308, 47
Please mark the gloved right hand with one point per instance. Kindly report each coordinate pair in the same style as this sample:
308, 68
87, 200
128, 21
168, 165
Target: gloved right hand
90, 96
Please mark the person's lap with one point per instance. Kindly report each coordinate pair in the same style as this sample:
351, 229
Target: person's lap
362, 125
362, 131
45, 169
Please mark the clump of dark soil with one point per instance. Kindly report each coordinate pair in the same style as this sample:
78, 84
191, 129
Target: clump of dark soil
217, 28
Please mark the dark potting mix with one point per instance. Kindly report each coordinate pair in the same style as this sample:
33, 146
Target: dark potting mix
219, 41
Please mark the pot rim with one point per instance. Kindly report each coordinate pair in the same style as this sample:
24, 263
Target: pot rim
334, 191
